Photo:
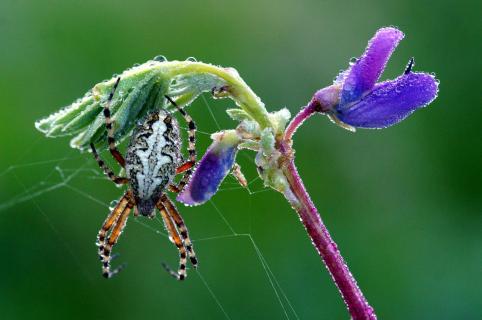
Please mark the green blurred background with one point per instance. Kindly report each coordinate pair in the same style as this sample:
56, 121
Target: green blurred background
404, 204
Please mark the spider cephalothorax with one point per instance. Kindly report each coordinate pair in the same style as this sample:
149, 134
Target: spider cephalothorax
153, 159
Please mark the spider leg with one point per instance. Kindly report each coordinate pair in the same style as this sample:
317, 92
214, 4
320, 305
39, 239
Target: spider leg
175, 238
116, 220
110, 128
111, 219
186, 167
181, 226
107, 171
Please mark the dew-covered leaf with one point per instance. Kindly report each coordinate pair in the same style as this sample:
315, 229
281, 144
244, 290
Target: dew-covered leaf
238, 114
141, 89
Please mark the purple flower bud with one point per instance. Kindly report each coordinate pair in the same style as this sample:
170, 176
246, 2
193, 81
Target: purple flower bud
214, 166
362, 102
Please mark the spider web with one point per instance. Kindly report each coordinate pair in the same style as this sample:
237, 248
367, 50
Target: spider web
62, 176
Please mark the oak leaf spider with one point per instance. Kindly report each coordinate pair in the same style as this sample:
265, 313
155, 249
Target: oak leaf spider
153, 159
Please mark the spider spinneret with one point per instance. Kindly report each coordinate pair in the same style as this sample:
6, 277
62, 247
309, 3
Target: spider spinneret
153, 159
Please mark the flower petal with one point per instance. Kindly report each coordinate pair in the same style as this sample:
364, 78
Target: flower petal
214, 166
365, 72
391, 101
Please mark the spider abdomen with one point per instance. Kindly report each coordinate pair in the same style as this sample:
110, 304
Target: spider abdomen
152, 158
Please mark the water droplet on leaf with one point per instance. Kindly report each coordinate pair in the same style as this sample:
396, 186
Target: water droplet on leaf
159, 58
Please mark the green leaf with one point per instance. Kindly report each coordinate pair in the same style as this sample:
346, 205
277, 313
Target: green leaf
141, 89
53, 125
238, 114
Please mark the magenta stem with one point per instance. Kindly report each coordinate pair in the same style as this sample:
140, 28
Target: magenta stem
327, 249
297, 121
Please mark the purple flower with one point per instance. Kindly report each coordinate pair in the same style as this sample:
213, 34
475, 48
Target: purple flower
214, 166
357, 100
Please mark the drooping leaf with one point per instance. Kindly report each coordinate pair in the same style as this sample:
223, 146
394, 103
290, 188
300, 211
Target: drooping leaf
141, 89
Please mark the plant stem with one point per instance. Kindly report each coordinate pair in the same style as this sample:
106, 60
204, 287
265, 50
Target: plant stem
238, 89
300, 200
297, 121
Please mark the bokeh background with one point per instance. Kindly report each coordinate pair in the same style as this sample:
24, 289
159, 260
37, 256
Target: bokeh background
404, 204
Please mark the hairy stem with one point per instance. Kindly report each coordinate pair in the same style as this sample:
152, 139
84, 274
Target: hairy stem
297, 121
300, 200
238, 89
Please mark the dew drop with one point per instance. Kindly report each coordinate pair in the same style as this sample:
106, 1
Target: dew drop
136, 65
192, 59
159, 58
112, 204
353, 60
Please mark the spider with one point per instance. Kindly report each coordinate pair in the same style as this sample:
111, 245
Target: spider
153, 159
